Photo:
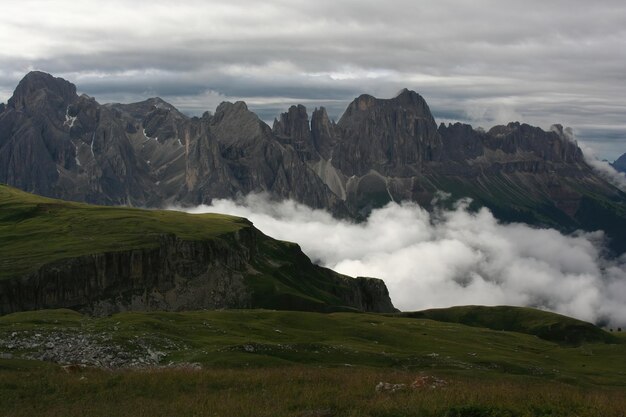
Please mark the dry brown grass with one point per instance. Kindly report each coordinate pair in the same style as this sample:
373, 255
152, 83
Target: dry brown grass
292, 391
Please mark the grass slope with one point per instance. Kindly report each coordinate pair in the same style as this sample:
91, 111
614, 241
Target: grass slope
36, 230
268, 363
290, 392
278, 338
508, 198
285, 279
544, 324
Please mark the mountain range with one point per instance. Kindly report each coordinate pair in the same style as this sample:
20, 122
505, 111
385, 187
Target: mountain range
56, 143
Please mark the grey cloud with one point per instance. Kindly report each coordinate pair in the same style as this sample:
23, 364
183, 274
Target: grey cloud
544, 62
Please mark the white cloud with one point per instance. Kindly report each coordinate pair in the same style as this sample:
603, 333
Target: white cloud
452, 257
603, 168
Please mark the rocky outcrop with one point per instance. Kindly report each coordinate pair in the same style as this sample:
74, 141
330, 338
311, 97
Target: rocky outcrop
178, 275
371, 294
190, 275
76, 349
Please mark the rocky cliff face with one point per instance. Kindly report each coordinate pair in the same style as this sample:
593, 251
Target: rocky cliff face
57, 144
189, 275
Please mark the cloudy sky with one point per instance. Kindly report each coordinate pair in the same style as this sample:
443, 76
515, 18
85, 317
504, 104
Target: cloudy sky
483, 62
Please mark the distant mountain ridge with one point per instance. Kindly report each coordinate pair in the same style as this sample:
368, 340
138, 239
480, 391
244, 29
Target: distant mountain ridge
543, 324
56, 143
620, 163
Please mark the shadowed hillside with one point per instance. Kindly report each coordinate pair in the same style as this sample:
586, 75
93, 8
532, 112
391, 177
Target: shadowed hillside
543, 324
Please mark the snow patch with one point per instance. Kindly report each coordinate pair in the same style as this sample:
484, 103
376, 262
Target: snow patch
76, 156
389, 191
69, 120
148, 137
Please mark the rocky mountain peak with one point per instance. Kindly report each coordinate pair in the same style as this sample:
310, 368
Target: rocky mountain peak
294, 129
406, 100
364, 102
403, 91
620, 163
293, 123
228, 107
39, 90
410, 98
234, 123
323, 132
555, 145
151, 108
156, 103
564, 133
393, 136
407, 112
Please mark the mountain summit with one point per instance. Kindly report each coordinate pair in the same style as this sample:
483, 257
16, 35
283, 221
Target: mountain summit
58, 144
620, 163
39, 90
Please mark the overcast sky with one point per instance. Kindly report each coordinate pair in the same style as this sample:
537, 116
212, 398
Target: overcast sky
484, 62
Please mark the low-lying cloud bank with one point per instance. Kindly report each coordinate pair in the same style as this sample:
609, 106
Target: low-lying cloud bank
452, 257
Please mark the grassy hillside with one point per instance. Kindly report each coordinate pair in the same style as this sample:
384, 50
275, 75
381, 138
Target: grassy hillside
268, 363
36, 230
546, 325
253, 338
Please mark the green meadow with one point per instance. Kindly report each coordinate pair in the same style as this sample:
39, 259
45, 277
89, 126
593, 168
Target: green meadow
35, 230
271, 363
